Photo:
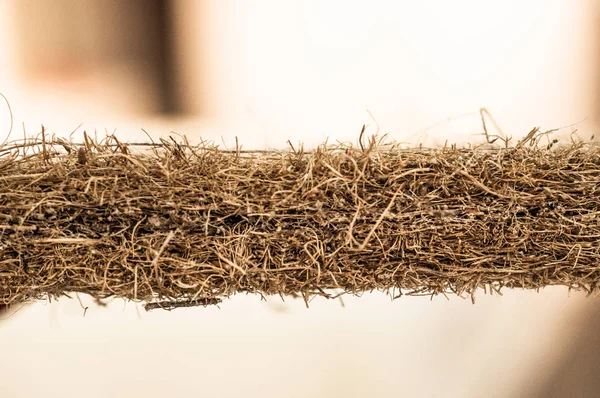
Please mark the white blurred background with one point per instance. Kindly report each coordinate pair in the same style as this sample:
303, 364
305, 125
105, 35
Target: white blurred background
267, 71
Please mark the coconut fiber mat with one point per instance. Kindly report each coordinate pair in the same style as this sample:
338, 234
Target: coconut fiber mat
172, 224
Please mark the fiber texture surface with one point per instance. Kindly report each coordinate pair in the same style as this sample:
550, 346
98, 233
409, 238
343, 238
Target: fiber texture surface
171, 224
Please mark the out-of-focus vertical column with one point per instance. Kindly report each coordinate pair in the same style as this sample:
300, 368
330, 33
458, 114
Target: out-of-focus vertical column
106, 54
208, 50
191, 26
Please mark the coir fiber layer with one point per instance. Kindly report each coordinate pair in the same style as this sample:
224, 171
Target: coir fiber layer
171, 224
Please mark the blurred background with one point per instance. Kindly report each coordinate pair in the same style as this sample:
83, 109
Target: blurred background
267, 71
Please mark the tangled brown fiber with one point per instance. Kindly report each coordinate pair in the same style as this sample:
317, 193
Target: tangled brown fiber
172, 224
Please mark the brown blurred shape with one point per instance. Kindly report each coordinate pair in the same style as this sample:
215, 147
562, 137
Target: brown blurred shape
103, 44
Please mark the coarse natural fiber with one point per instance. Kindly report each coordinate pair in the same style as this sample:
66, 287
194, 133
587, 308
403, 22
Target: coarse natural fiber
171, 224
